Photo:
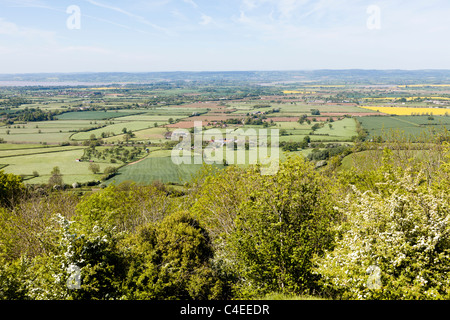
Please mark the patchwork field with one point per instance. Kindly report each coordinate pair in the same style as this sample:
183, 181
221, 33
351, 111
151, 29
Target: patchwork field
137, 122
150, 127
413, 126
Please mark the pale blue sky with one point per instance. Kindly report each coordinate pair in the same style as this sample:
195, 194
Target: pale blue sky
222, 35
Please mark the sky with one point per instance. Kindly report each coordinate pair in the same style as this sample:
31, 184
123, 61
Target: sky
222, 35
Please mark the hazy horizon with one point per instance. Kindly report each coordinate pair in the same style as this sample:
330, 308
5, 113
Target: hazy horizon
227, 71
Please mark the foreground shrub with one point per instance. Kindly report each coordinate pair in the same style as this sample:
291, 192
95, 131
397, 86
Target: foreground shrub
124, 206
26, 229
174, 261
394, 245
268, 228
14, 278
169, 260
11, 189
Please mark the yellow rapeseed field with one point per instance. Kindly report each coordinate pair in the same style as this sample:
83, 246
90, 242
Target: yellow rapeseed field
405, 111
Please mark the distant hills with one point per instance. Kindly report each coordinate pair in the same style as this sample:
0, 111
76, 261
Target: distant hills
350, 76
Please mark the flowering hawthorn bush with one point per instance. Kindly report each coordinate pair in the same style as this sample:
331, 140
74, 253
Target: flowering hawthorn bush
403, 232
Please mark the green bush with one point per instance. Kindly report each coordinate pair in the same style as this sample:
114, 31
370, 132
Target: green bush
11, 189
174, 261
102, 264
124, 206
170, 260
268, 228
14, 277
283, 224
84, 265
403, 231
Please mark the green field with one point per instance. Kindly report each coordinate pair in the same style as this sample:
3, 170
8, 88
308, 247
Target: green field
173, 111
114, 129
10, 146
156, 169
36, 137
95, 115
158, 166
154, 135
44, 131
54, 125
371, 159
426, 121
7, 153
293, 125
341, 130
148, 117
413, 126
43, 160
44, 163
